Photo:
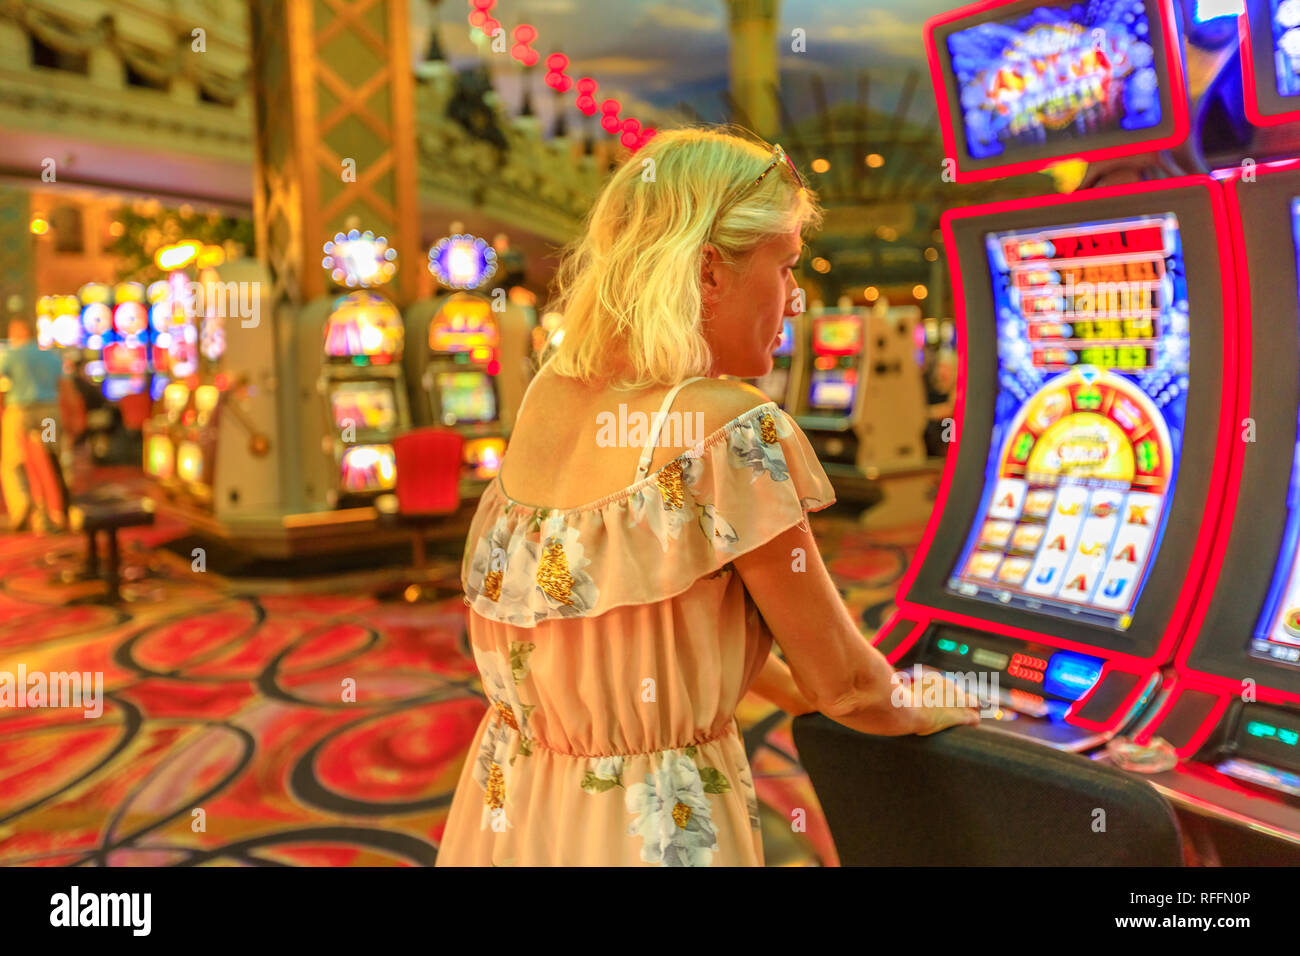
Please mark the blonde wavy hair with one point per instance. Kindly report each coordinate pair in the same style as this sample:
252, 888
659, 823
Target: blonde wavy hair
630, 287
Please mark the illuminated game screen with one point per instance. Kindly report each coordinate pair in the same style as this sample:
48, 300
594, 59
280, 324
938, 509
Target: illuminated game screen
1277, 633
832, 389
837, 336
466, 397
1056, 74
1092, 325
365, 469
368, 406
1285, 16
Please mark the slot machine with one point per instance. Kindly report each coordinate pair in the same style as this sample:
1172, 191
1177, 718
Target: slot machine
199, 318
96, 326
162, 436
64, 330
196, 444
1097, 377
460, 380
364, 391
1227, 725
126, 347
862, 401
1094, 408
469, 361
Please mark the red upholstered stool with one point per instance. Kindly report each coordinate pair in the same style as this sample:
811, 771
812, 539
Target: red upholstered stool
428, 462
135, 410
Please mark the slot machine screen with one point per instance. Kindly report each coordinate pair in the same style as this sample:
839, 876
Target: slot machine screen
466, 397
1276, 635
1270, 60
1027, 83
368, 406
832, 389
123, 358
836, 346
368, 468
1092, 384
1284, 24
464, 324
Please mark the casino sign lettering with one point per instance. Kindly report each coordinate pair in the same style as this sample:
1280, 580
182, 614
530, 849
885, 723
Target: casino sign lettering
1053, 73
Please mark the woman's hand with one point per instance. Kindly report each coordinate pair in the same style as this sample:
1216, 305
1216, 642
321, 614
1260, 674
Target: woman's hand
931, 720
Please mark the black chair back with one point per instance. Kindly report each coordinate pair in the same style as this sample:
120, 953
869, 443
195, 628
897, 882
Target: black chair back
975, 797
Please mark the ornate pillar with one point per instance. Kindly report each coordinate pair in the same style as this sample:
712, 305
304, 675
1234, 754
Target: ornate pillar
335, 149
335, 136
755, 63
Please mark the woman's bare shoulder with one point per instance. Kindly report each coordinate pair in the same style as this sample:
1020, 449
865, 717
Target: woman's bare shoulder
721, 400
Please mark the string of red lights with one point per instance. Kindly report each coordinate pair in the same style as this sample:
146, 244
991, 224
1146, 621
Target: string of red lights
629, 129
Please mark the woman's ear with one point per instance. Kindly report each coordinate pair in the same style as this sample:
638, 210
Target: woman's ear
710, 276
709, 267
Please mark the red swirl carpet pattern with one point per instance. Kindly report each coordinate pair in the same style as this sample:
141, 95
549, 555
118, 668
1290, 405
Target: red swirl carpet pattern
300, 723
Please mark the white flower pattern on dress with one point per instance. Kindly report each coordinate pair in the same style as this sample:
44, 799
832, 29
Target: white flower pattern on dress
720, 531
528, 565
673, 817
747, 445
654, 505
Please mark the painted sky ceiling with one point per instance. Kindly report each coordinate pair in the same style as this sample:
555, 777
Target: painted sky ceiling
666, 52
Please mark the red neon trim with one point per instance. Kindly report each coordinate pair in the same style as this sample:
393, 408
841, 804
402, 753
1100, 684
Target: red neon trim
906, 643
1253, 112
1115, 660
1191, 677
1125, 706
1177, 99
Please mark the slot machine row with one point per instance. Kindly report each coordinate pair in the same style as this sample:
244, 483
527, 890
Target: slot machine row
1230, 709
469, 374
1115, 538
852, 380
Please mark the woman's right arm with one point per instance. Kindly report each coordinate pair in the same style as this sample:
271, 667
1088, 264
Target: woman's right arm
833, 665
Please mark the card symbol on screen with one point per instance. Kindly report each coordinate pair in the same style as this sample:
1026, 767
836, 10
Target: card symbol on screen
1115, 587
1137, 514
1080, 584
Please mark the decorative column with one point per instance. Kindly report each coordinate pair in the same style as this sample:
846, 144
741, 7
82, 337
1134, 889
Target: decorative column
334, 96
335, 136
754, 63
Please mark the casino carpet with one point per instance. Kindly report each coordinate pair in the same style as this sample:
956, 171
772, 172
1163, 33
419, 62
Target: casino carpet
224, 739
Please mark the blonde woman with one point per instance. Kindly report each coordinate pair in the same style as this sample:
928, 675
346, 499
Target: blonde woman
626, 583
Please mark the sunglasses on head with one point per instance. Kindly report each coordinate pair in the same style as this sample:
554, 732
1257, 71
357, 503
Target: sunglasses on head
778, 157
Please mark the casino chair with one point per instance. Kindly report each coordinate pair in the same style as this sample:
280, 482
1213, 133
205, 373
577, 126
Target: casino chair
428, 464
102, 511
969, 796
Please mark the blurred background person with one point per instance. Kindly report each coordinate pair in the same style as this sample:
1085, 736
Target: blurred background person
31, 379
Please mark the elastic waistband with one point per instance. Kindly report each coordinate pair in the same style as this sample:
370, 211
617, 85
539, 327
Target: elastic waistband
730, 728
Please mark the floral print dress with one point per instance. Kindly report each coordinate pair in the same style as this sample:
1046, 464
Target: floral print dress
614, 642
